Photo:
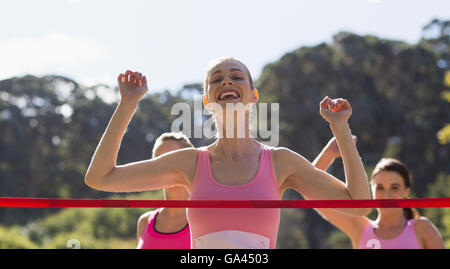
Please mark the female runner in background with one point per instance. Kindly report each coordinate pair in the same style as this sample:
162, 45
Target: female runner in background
394, 228
166, 228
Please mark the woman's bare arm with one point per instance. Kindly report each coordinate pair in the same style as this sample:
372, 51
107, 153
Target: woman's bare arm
351, 225
167, 170
316, 184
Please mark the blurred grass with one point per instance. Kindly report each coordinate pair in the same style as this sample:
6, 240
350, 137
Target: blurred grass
86, 228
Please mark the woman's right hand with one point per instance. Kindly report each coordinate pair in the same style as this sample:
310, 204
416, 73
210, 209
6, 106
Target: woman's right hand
132, 85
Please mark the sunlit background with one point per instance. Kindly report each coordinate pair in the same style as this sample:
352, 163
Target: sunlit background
54, 54
173, 41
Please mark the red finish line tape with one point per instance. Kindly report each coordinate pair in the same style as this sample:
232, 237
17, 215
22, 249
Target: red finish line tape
95, 203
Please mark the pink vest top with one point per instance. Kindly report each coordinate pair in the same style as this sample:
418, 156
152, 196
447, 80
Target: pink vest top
406, 240
152, 239
227, 228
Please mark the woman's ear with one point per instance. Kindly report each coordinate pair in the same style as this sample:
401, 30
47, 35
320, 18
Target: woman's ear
205, 101
255, 92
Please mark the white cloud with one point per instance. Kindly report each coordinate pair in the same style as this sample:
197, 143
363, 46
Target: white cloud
47, 53
89, 80
106, 93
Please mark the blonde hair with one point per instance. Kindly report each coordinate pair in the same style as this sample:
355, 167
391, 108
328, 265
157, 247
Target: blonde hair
171, 136
218, 61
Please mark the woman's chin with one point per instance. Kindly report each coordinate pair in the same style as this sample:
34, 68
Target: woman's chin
389, 210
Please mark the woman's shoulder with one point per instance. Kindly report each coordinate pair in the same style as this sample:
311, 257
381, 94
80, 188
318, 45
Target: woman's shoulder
422, 224
189, 151
284, 155
427, 233
143, 219
184, 155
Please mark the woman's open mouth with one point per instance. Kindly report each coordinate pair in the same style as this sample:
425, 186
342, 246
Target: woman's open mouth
228, 95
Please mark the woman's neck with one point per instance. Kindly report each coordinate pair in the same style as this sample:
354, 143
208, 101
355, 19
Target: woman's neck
174, 212
389, 220
175, 193
234, 124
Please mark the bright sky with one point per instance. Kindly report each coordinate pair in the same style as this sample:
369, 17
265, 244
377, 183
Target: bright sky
172, 41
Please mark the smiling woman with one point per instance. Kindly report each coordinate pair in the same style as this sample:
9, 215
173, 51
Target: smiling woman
231, 168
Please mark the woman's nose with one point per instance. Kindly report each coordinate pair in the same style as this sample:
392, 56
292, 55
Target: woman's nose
387, 194
382, 195
226, 81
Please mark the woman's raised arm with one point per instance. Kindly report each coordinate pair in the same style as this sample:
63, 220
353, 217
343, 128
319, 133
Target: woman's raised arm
299, 174
167, 170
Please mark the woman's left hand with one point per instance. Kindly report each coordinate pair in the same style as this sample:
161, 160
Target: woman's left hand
335, 110
332, 148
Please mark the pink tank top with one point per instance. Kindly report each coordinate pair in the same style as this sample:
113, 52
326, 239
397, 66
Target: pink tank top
406, 240
152, 239
227, 228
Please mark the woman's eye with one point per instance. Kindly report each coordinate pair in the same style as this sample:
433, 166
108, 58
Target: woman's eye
237, 78
216, 80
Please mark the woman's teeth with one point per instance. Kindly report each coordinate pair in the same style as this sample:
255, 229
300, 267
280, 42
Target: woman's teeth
228, 95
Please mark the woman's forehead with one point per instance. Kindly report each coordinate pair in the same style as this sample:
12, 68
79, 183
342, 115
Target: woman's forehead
387, 177
228, 65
